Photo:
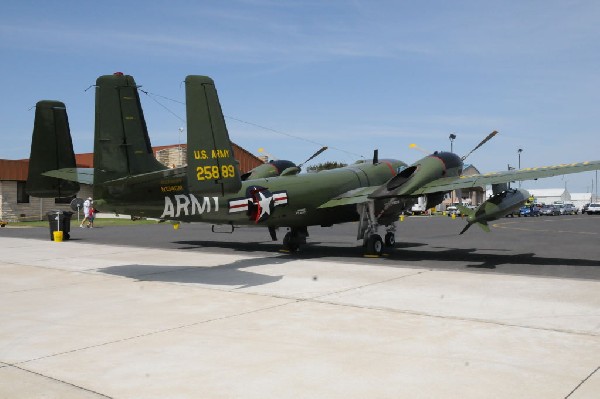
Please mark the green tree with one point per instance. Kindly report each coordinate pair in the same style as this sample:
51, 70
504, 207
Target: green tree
325, 166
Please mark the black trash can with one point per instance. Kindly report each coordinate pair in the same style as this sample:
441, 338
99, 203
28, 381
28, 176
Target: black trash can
60, 221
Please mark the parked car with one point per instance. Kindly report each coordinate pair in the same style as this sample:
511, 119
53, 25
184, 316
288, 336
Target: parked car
516, 212
561, 209
549, 210
452, 210
593, 209
529, 211
584, 208
571, 209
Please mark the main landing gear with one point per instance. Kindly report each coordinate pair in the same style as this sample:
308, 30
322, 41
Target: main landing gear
368, 231
294, 238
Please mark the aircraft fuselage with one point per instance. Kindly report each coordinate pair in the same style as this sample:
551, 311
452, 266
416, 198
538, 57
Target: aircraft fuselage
282, 201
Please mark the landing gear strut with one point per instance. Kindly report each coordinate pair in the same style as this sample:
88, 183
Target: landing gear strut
368, 231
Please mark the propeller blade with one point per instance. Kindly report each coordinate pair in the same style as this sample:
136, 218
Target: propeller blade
416, 147
316, 154
485, 140
466, 228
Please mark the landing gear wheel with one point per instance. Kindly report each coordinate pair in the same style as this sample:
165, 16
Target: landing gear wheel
390, 239
374, 245
289, 243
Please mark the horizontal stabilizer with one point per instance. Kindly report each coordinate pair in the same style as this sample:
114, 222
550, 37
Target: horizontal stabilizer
212, 168
51, 149
79, 175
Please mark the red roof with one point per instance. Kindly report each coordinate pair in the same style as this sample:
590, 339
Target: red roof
14, 170
85, 160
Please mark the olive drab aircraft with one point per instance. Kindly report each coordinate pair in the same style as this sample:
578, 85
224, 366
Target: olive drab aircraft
127, 179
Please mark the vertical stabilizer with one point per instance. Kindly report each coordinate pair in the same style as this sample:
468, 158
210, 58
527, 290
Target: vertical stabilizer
212, 167
121, 143
51, 149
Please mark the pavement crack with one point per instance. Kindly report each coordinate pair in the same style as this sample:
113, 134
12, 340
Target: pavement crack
315, 298
60, 381
582, 382
165, 330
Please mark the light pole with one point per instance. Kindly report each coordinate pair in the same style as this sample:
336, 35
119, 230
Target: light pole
519, 151
452, 137
180, 131
596, 186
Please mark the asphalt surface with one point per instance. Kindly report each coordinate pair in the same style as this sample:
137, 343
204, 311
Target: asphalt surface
559, 246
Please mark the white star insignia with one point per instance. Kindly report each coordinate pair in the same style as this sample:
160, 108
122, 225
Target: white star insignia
265, 204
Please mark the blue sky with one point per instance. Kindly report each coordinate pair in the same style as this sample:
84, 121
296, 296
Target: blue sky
353, 75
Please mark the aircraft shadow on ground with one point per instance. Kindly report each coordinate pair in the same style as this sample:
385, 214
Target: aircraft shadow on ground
228, 274
421, 255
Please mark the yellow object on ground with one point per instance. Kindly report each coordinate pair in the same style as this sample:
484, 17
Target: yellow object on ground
454, 216
176, 226
58, 236
402, 218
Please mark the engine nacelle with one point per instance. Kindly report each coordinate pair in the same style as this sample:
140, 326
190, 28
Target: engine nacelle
270, 169
425, 170
496, 207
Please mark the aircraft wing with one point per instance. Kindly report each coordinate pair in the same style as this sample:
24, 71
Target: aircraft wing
81, 175
453, 183
355, 196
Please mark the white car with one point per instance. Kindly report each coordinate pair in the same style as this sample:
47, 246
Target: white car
452, 210
593, 209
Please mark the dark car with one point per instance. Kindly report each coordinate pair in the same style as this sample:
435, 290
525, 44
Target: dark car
549, 210
529, 211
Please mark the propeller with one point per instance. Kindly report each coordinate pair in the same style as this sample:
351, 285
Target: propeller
485, 140
316, 154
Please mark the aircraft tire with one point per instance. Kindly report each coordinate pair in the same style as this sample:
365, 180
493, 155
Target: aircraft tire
289, 243
390, 239
374, 245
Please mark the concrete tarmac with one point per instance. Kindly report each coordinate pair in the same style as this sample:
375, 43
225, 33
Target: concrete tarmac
199, 317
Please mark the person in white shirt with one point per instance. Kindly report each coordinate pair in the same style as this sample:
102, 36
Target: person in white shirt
86, 211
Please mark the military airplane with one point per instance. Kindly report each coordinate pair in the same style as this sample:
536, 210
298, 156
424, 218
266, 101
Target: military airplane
127, 179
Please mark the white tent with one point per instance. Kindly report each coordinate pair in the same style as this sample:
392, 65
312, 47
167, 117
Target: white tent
580, 199
550, 195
